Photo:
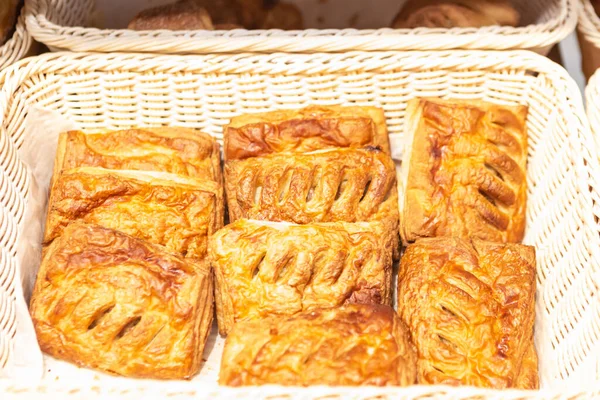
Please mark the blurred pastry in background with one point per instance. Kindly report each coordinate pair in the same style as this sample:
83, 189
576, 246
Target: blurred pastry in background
219, 14
8, 18
456, 14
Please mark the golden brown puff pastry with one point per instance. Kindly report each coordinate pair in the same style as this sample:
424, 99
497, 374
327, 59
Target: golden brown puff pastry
305, 130
456, 14
464, 171
344, 346
108, 301
344, 185
264, 268
469, 305
180, 151
8, 18
174, 211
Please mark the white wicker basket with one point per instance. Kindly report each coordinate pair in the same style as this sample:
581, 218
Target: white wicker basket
123, 90
17, 47
65, 24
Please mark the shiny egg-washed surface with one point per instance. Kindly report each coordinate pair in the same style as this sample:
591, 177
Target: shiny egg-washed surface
464, 174
106, 300
350, 345
174, 211
266, 268
470, 308
305, 130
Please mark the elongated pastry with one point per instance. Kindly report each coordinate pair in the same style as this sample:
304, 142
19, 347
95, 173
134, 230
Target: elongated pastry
349, 185
108, 301
181, 15
351, 345
464, 171
264, 268
179, 151
456, 14
305, 130
470, 308
171, 210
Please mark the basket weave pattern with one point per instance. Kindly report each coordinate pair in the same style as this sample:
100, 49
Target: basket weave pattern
589, 37
124, 90
62, 24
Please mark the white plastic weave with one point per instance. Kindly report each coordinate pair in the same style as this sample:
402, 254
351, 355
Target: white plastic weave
123, 90
17, 46
66, 24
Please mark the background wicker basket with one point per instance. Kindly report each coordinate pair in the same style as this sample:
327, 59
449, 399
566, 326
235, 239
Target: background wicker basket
64, 24
18, 46
123, 90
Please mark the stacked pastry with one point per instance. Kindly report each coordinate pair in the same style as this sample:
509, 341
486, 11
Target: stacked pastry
466, 288
313, 205
125, 285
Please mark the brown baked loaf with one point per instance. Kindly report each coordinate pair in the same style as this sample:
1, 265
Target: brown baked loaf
219, 14
305, 130
278, 268
166, 209
351, 345
464, 171
456, 14
108, 301
8, 17
470, 308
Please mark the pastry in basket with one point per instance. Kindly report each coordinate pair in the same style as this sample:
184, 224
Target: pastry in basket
176, 150
219, 14
464, 171
8, 18
171, 210
106, 300
349, 185
181, 15
346, 346
456, 14
469, 305
279, 268
308, 129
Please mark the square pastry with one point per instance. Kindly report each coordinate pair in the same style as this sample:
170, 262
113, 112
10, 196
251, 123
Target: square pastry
464, 171
345, 346
171, 210
348, 185
180, 151
305, 130
470, 308
109, 301
279, 268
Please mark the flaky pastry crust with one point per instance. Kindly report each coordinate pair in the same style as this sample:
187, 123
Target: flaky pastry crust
470, 309
180, 151
350, 345
108, 301
264, 268
349, 185
305, 130
464, 171
174, 211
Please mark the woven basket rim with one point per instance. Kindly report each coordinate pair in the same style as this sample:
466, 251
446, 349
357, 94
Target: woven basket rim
77, 38
589, 22
18, 45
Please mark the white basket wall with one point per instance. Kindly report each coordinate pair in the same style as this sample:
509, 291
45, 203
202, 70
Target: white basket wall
16, 47
124, 90
65, 24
